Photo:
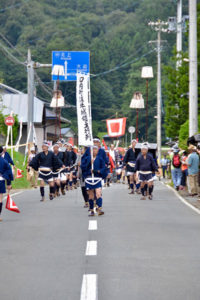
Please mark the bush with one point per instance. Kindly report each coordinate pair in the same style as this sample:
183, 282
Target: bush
184, 134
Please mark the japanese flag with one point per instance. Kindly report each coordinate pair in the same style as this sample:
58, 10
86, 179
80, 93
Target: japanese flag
116, 127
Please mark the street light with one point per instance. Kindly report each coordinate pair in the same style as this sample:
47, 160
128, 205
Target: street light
147, 72
137, 102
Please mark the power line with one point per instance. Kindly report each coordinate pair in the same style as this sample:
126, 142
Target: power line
122, 66
11, 45
12, 57
41, 83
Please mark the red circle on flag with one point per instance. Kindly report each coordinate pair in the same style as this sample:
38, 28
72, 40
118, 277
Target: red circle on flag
9, 121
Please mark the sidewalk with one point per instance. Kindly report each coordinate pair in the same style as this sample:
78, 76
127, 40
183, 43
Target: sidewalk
192, 200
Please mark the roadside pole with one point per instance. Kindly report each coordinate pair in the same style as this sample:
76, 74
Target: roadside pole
159, 26
193, 73
30, 73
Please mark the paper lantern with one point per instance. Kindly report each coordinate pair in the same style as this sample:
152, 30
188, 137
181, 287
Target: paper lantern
57, 100
147, 72
137, 102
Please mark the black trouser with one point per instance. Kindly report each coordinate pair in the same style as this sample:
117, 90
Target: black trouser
84, 193
164, 169
184, 177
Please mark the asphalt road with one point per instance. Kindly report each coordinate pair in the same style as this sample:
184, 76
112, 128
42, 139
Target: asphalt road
142, 250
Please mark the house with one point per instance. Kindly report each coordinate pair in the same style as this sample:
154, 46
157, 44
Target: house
45, 119
69, 135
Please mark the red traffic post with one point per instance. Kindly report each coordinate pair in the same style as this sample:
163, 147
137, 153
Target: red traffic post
9, 121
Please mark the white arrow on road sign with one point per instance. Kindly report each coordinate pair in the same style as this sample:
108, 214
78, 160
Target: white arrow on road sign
66, 69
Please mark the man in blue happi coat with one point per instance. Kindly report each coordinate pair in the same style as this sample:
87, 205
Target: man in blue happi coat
5, 174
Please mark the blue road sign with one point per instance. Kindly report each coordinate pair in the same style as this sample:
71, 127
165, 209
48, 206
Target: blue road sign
68, 63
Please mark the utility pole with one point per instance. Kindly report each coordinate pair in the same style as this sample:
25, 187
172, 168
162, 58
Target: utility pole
31, 88
159, 97
31, 65
159, 26
179, 32
193, 73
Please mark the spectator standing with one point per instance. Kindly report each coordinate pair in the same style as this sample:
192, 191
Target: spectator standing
193, 170
176, 167
164, 164
184, 169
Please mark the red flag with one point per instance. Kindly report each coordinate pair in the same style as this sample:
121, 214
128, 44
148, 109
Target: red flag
116, 127
19, 173
10, 205
112, 165
104, 144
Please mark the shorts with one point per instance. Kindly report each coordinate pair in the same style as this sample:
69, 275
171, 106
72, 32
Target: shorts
63, 176
46, 176
145, 177
93, 183
119, 171
56, 175
2, 187
130, 173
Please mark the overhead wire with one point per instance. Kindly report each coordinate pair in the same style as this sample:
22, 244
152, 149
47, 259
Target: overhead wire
11, 45
12, 57
122, 66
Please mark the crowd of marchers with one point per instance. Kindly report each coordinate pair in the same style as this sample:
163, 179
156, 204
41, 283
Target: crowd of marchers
64, 167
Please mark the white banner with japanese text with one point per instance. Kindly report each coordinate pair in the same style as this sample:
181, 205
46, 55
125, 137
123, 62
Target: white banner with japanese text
83, 104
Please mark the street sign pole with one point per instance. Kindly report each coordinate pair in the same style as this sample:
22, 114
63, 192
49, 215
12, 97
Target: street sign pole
10, 121
131, 130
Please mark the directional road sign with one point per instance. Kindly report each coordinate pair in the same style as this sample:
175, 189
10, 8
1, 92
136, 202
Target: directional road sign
66, 64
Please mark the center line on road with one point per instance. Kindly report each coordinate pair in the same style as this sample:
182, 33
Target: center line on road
92, 225
89, 287
91, 248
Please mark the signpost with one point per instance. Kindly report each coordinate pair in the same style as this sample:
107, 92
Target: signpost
131, 130
10, 121
66, 64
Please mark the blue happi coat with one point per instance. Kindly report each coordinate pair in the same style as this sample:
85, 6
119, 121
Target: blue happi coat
101, 153
8, 158
100, 169
5, 169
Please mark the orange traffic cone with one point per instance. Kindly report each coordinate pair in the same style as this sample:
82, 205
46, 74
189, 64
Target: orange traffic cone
19, 173
10, 205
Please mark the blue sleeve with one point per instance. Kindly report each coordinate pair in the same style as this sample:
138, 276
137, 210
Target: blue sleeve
86, 165
102, 170
7, 171
34, 163
154, 166
137, 164
126, 157
9, 159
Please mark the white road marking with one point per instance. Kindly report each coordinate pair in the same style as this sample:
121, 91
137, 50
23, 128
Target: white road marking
15, 194
92, 225
89, 287
183, 200
91, 248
